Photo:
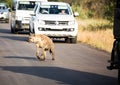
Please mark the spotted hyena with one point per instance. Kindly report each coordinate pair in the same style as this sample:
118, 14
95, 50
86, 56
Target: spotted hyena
43, 42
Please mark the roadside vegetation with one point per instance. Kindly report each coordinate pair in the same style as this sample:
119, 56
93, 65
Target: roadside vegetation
95, 21
8, 2
97, 33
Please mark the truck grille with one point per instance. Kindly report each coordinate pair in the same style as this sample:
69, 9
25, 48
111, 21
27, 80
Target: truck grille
26, 18
56, 22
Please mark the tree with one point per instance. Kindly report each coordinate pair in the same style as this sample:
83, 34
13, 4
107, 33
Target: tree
8, 2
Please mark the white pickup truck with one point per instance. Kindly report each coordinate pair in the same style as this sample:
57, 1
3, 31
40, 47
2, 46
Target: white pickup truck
54, 19
21, 10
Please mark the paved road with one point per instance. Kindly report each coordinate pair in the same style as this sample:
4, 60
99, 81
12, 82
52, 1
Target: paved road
75, 64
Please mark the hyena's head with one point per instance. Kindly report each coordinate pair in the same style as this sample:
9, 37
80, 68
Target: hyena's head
32, 39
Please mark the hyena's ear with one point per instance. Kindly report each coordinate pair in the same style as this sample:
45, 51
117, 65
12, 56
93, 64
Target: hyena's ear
32, 35
36, 35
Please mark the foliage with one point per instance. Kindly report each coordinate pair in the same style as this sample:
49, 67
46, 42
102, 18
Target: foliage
88, 8
93, 8
8, 2
94, 24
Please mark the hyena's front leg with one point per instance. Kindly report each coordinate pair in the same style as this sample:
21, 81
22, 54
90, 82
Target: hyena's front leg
37, 51
43, 55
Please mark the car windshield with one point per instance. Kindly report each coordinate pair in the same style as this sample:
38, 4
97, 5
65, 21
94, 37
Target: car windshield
26, 5
55, 9
2, 7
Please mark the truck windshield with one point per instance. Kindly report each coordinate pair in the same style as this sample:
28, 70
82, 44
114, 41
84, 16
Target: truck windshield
55, 9
2, 7
26, 5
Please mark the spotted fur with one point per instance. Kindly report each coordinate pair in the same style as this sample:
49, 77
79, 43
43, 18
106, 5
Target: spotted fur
43, 42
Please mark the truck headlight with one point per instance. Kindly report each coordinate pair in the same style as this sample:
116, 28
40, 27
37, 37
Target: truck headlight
5, 13
71, 29
71, 22
18, 18
41, 22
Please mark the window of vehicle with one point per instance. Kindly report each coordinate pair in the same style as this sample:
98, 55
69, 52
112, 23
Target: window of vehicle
26, 5
118, 4
35, 8
55, 9
2, 7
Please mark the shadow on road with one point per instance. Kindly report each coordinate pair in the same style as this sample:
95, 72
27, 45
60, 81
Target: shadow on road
63, 75
16, 37
8, 31
20, 57
23, 36
5, 31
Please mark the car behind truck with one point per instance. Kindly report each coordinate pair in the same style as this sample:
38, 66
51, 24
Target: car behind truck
4, 12
21, 10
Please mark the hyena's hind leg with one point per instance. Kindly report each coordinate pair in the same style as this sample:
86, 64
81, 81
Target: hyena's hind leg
52, 52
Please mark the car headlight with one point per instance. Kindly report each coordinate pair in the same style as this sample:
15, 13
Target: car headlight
71, 22
41, 22
6, 13
18, 18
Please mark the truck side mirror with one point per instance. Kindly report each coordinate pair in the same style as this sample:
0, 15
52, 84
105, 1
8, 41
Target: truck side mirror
32, 14
13, 8
9, 9
76, 14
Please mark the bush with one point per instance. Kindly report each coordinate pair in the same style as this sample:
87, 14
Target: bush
8, 2
93, 8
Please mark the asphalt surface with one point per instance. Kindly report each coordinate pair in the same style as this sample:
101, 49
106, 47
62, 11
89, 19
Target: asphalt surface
75, 64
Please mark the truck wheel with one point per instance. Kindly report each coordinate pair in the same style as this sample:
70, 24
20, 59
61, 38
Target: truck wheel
31, 33
7, 21
12, 30
73, 40
67, 40
29, 30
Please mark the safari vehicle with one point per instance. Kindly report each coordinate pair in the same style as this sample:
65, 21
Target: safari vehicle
115, 54
4, 12
21, 10
48, 19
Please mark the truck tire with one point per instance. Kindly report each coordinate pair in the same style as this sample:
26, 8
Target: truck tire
67, 40
12, 31
7, 21
73, 40
31, 32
